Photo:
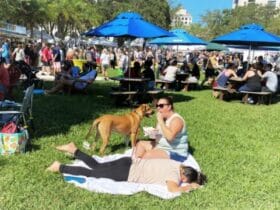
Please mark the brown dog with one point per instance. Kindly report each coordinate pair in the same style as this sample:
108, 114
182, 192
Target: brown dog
124, 124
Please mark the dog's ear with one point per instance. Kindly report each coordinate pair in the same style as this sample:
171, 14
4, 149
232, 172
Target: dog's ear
145, 107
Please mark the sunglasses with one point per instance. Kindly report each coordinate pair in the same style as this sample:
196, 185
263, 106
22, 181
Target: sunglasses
160, 105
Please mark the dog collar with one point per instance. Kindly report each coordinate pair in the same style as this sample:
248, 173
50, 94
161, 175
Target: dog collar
138, 114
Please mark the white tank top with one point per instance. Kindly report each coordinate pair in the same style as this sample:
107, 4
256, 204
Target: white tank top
179, 144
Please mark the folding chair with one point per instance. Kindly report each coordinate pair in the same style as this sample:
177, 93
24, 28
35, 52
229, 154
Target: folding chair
23, 110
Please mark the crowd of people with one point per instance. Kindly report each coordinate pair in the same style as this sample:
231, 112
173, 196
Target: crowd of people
258, 77
148, 63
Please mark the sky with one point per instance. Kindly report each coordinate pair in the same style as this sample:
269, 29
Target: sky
199, 7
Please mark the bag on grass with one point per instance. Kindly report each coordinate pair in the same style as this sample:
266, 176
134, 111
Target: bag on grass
9, 127
11, 143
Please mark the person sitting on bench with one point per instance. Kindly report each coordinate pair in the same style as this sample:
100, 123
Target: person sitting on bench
252, 78
148, 73
223, 77
270, 78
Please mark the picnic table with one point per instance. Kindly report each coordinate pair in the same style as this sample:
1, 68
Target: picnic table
262, 97
177, 84
131, 80
235, 83
180, 77
131, 90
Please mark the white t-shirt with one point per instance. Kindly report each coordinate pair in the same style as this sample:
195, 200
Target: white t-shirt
19, 54
170, 73
271, 80
105, 59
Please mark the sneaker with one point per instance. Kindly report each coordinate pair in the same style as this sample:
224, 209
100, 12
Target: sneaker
86, 145
250, 101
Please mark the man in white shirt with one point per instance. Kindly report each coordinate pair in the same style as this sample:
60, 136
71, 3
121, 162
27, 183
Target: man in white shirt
271, 80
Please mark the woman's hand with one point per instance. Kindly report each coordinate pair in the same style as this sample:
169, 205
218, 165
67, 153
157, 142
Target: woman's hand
174, 187
170, 132
160, 118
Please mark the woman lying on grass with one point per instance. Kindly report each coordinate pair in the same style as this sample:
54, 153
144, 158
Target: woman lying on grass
157, 171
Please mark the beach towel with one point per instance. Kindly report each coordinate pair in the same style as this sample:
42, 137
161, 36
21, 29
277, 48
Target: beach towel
103, 185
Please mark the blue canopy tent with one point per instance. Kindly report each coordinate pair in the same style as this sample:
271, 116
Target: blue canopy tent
252, 35
181, 37
128, 24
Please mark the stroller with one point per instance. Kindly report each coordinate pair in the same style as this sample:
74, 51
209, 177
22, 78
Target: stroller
30, 74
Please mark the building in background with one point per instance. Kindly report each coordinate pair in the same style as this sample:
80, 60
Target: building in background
237, 3
8, 30
181, 18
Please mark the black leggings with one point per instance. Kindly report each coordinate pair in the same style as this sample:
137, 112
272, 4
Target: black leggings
117, 170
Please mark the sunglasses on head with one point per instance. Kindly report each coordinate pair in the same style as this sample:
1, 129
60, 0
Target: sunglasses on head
160, 105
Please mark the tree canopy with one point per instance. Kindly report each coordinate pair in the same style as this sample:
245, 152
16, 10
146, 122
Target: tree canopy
218, 22
76, 16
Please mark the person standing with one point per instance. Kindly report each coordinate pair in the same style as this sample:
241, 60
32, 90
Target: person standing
4, 80
27, 53
46, 58
56, 58
105, 62
5, 52
210, 68
18, 53
112, 58
123, 61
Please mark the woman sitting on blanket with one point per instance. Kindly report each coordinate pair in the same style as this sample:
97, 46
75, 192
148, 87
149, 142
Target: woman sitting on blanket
171, 139
168, 172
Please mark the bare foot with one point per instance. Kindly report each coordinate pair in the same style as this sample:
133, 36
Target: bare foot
71, 148
54, 167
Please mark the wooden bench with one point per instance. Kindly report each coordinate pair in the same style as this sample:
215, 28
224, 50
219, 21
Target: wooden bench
222, 91
167, 84
154, 93
260, 96
187, 84
122, 96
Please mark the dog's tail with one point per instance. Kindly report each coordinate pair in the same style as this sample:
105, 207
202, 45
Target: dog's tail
92, 128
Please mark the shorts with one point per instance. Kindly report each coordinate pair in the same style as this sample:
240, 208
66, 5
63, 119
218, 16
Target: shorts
105, 66
46, 63
209, 73
6, 60
175, 156
57, 65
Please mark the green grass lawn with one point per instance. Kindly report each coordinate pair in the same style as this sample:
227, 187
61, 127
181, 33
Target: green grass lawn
236, 145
